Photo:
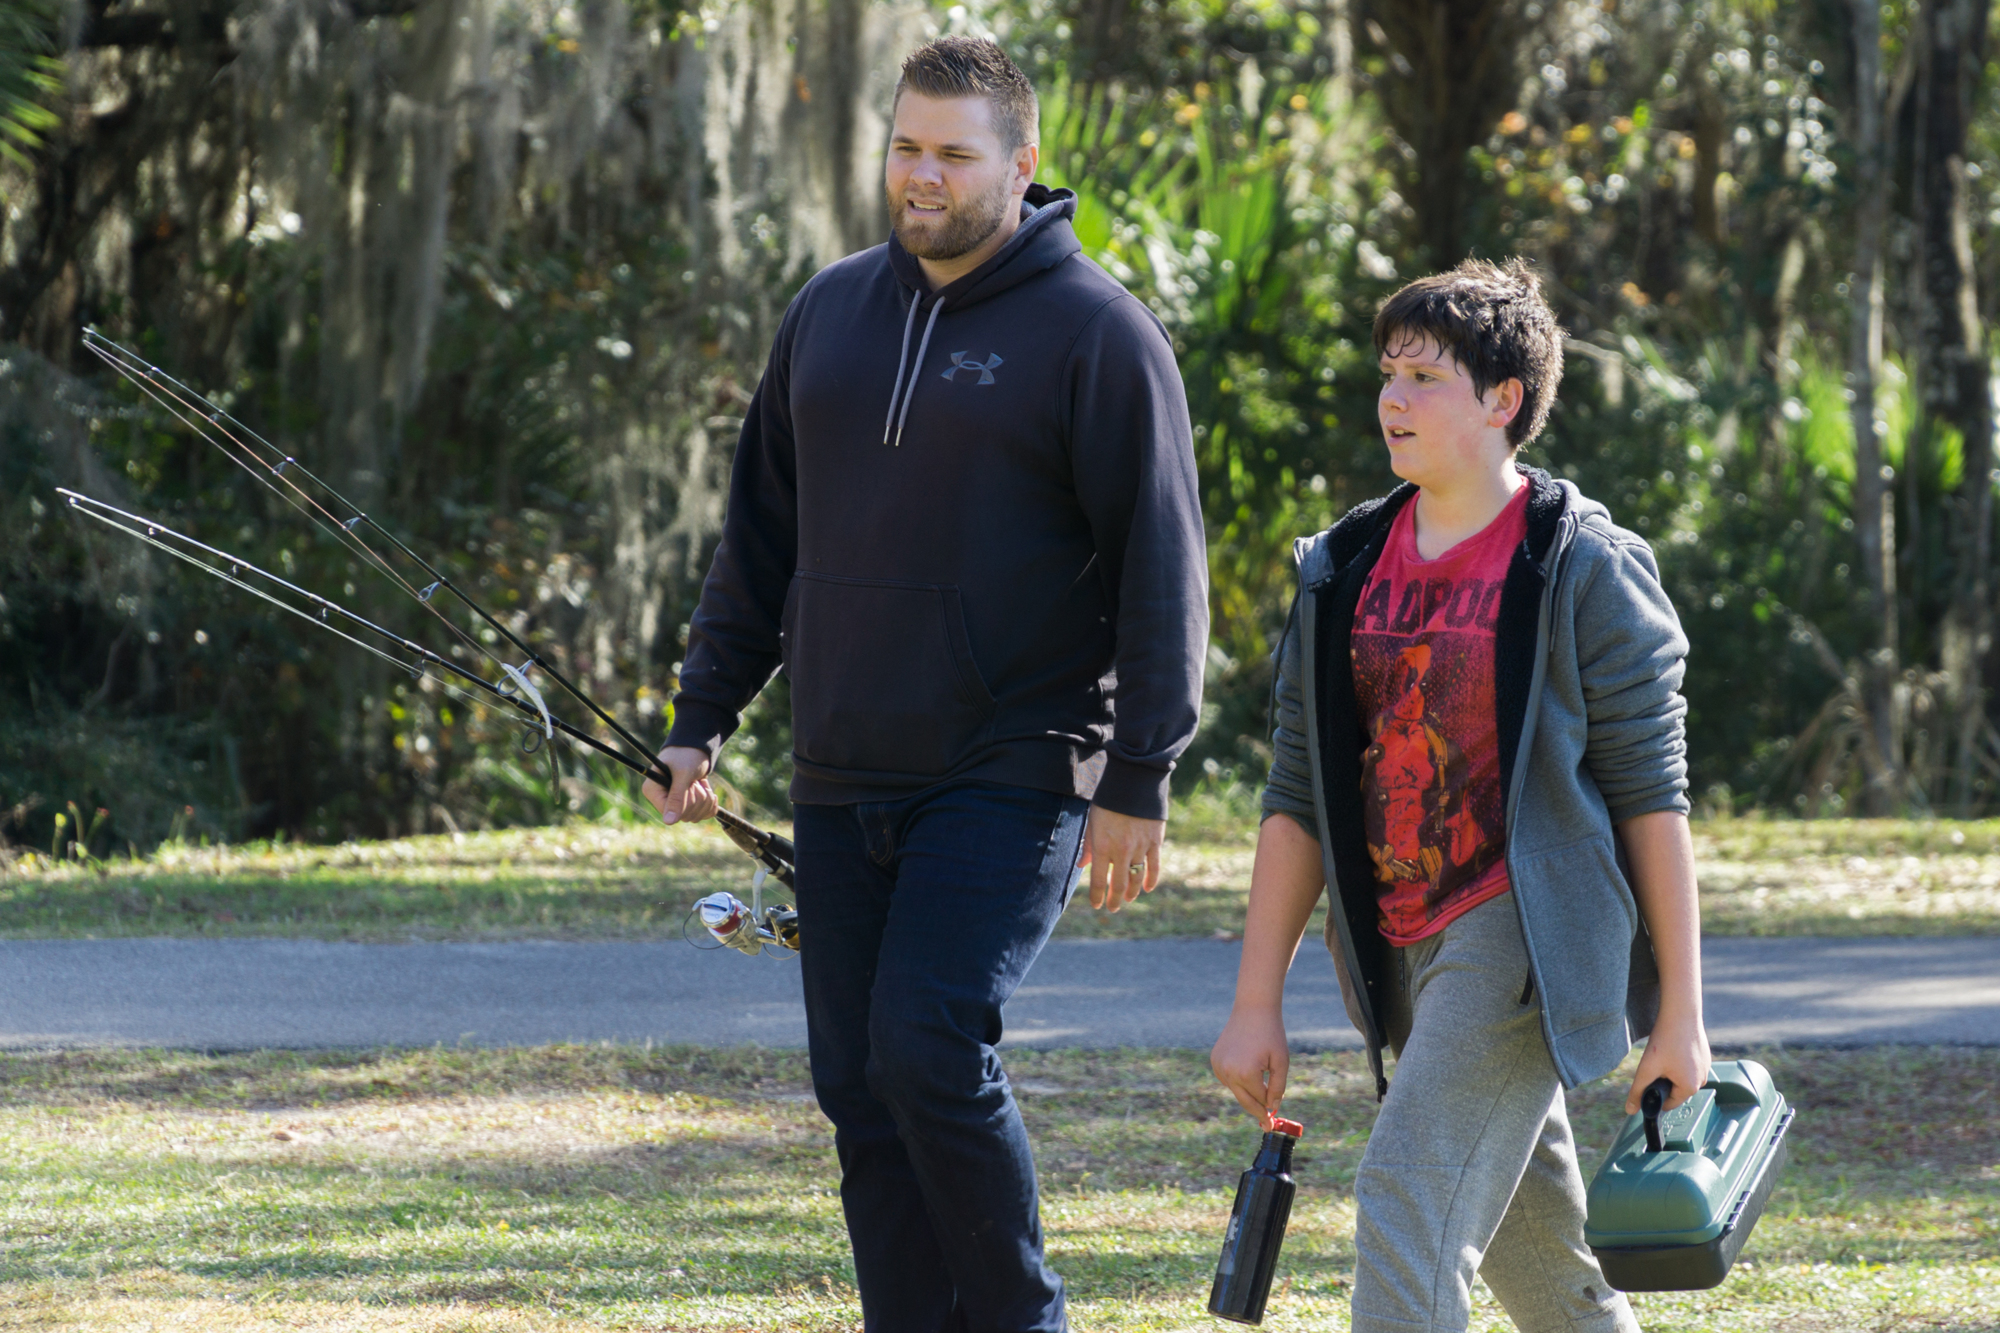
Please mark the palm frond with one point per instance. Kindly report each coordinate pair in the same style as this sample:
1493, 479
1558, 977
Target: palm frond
30, 74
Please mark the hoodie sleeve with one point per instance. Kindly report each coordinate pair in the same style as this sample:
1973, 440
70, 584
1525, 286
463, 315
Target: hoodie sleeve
1631, 656
1288, 790
1132, 457
733, 638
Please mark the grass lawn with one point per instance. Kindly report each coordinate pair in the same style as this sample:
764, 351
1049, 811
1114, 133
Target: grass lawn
613, 881
571, 1187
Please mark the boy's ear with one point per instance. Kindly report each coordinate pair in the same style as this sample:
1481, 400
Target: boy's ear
1503, 401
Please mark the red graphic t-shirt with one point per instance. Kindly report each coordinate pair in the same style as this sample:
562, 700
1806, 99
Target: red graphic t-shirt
1423, 675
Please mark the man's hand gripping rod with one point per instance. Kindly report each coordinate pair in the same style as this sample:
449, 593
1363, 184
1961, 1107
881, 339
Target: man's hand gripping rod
749, 928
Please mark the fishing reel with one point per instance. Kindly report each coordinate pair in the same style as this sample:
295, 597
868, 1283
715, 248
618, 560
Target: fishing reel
750, 928
746, 927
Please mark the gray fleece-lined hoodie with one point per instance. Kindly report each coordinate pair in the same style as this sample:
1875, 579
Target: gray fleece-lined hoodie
1588, 659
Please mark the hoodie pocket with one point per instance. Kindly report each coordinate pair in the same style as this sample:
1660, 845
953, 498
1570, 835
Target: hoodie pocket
1579, 916
882, 676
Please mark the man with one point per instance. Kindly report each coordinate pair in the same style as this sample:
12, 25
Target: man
963, 515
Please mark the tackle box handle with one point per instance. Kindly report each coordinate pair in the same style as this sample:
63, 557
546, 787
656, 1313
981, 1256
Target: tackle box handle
1651, 1102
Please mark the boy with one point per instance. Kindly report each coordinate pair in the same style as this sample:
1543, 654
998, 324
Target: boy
1478, 739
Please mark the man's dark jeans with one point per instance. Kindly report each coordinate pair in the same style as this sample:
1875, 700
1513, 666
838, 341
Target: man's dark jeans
918, 918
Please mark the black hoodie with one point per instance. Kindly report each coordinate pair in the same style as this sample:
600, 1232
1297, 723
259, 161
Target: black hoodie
967, 522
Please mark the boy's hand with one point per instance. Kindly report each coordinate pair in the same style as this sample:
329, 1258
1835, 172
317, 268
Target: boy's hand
1250, 1058
1678, 1049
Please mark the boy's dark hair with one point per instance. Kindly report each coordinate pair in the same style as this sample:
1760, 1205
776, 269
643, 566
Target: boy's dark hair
975, 67
1491, 319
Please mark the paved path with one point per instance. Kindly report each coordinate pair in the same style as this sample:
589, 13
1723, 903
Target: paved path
234, 994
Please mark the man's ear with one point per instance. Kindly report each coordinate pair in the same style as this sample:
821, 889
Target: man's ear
1027, 159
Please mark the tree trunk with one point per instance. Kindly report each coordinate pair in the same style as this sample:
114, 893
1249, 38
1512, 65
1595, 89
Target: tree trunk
1951, 340
1106, 32
1454, 69
1874, 512
1709, 126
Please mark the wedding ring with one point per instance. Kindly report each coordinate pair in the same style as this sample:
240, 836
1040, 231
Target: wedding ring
1136, 868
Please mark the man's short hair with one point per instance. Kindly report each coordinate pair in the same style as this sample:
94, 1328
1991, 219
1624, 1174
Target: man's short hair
1492, 320
975, 67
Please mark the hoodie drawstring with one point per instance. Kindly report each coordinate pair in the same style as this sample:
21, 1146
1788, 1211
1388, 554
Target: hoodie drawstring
902, 359
896, 418
923, 345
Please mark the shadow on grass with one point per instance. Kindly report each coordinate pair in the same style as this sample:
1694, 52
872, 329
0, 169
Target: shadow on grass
1892, 1159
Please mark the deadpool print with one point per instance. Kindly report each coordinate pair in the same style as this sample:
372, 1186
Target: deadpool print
1423, 673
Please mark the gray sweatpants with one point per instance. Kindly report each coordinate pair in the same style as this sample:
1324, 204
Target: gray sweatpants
1470, 1167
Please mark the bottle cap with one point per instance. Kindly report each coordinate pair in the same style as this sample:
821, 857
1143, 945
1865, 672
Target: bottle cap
1289, 1127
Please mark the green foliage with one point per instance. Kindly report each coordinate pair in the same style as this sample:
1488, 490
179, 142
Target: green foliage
1230, 210
30, 73
80, 629
582, 376
1680, 235
1681, 174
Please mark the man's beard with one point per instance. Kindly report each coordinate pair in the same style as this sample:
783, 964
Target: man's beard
963, 228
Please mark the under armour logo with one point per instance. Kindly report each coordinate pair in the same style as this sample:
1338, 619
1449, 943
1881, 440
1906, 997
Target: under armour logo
985, 368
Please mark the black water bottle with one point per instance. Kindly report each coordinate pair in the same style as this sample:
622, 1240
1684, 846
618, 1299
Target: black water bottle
1256, 1228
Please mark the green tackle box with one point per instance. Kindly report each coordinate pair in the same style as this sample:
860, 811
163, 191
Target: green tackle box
1676, 1197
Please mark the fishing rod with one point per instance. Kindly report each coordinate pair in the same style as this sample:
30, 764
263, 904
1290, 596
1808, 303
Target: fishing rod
750, 928
252, 452
725, 919
197, 413
162, 538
